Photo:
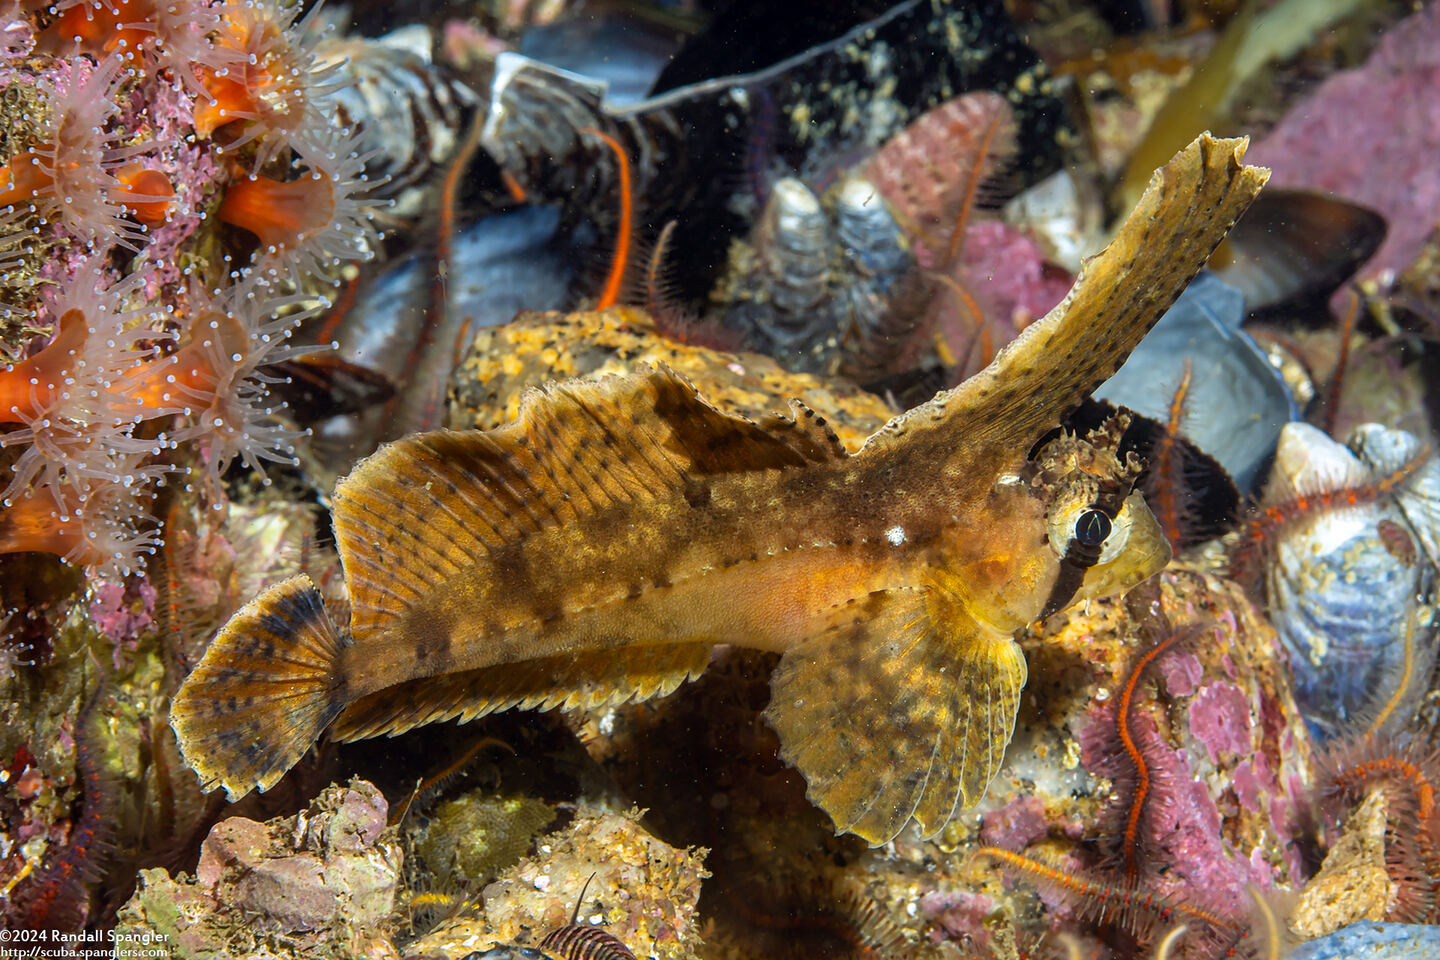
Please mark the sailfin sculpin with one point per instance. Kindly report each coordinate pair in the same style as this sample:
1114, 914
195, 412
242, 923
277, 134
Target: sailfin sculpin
592, 552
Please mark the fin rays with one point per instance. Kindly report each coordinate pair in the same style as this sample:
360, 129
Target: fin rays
432, 504
264, 691
604, 678
900, 711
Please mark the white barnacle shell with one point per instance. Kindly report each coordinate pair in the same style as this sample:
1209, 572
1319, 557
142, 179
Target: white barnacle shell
794, 246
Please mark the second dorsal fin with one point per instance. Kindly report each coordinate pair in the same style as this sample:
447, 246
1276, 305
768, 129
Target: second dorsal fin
435, 505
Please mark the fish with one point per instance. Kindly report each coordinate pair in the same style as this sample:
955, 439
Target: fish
592, 552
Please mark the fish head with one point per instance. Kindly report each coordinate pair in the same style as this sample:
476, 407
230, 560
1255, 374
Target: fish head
1101, 536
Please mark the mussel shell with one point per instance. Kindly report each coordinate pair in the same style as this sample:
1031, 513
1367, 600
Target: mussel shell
690, 147
1293, 248
1341, 594
408, 112
1373, 941
498, 267
1237, 402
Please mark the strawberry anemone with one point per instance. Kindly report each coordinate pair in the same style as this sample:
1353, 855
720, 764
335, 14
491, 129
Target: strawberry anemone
218, 379
85, 403
311, 225
79, 484
68, 178
150, 35
265, 83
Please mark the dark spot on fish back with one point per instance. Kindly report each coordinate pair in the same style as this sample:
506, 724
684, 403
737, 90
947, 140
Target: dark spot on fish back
697, 493
433, 645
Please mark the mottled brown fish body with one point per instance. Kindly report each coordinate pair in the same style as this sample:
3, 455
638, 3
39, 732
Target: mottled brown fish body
592, 552
795, 552
622, 576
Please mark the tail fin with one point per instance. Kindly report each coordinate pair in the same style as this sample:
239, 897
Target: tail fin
263, 693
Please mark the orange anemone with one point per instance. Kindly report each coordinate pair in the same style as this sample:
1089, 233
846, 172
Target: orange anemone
260, 77
146, 194
99, 28
23, 179
189, 376
30, 386
31, 523
280, 213
230, 99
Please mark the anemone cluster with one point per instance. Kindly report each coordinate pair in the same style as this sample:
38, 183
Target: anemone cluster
176, 195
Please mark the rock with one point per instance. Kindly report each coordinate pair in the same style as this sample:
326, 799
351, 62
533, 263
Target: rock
471, 837
536, 347
1352, 884
322, 882
644, 892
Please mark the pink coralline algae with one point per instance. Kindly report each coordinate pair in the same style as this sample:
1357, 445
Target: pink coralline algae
123, 153
1016, 825
1370, 135
1204, 828
1182, 672
1220, 718
120, 615
1009, 270
1253, 778
957, 914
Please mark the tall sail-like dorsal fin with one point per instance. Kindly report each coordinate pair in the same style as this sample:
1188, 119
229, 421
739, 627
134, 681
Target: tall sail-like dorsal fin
987, 424
433, 504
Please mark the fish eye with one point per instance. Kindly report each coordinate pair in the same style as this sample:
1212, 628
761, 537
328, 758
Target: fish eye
1092, 527
1085, 525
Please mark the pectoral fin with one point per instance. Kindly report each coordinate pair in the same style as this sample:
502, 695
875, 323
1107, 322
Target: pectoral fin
902, 709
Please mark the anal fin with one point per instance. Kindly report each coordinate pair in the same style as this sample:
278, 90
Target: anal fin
574, 681
901, 710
